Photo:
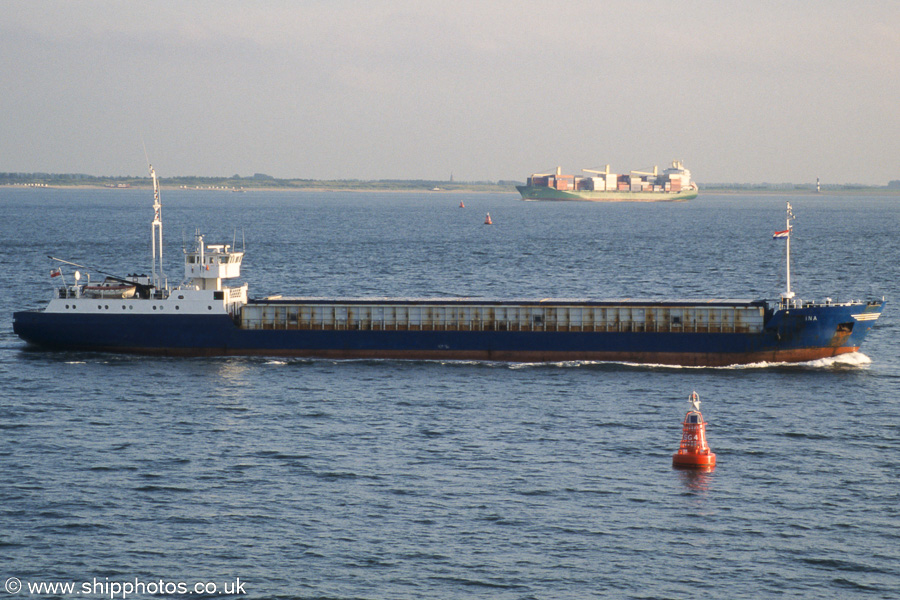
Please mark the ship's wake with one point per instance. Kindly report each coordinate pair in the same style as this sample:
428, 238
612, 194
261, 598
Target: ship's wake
853, 360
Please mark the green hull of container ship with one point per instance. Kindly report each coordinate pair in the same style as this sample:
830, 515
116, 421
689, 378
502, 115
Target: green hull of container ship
547, 193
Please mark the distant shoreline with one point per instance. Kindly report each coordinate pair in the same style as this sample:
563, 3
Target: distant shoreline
257, 182
460, 190
167, 187
264, 183
848, 191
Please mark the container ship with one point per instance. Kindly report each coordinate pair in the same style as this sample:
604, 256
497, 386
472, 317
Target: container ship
603, 186
205, 317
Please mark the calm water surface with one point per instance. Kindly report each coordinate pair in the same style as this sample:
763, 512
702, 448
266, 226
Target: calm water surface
385, 479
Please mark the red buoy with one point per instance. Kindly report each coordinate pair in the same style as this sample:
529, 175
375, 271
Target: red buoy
487, 220
461, 205
694, 452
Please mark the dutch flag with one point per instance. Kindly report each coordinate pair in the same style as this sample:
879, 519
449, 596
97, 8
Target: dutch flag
782, 234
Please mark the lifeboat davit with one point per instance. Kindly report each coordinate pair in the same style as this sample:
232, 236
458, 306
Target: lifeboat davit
694, 452
487, 220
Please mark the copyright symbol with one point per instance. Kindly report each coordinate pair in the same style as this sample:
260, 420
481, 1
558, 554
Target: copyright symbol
13, 585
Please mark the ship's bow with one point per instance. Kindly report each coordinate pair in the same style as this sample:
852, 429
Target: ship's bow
817, 330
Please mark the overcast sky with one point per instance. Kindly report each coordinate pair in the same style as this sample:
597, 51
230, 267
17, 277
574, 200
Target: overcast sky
483, 89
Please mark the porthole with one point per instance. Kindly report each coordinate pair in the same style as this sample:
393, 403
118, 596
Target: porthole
99, 307
209, 307
106, 306
154, 307
181, 297
123, 307
67, 306
176, 307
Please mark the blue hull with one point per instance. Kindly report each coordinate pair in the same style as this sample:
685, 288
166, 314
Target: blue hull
789, 335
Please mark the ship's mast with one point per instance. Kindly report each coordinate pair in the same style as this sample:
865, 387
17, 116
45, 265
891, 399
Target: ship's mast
788, 294
156, 233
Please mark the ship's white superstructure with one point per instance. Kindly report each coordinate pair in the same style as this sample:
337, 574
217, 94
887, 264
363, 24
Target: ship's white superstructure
202, 292
677, 173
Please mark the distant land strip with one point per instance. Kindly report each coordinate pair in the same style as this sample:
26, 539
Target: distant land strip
260, 181
256, 182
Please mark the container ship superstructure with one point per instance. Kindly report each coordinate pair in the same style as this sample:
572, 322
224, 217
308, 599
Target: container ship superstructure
205, 317
673, 184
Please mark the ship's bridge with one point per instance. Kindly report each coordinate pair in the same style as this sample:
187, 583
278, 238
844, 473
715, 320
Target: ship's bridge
676, 169
207, 265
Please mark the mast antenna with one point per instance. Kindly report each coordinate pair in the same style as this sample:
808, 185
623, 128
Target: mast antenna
155, 226
156, 233
788, 294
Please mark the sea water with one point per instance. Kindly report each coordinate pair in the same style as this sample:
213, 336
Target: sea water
299, 478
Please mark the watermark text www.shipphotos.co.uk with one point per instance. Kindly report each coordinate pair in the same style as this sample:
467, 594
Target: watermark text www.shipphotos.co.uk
106, 588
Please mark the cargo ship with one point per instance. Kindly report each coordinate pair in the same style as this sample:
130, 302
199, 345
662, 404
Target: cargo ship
205, 317
672, 185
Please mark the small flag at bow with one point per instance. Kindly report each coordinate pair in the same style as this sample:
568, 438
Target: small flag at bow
55, 273
782, 234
